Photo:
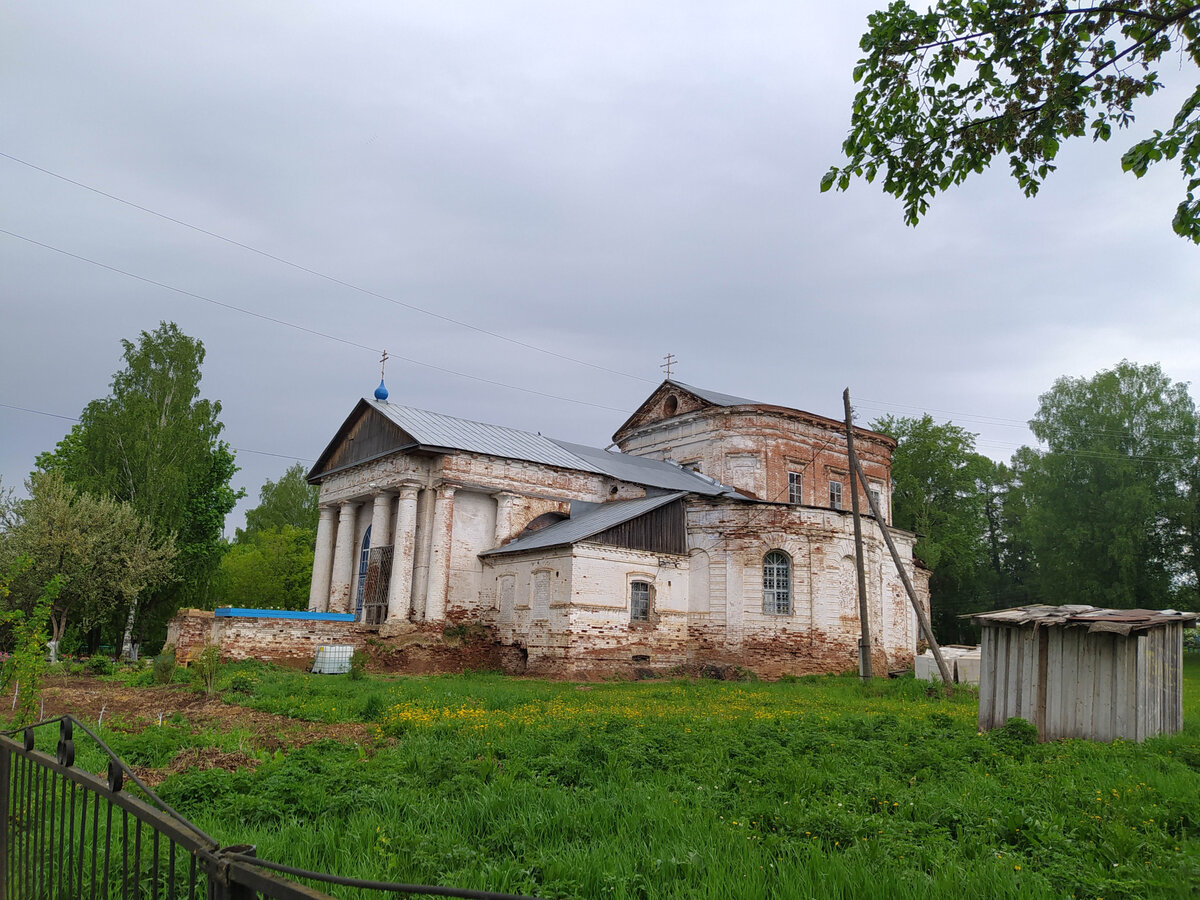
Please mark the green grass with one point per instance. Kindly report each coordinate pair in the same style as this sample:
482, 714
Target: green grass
820, 787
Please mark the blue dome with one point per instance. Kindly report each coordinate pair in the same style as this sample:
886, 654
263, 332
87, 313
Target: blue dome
381, 392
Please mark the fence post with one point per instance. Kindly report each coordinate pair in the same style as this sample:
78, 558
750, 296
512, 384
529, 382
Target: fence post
5, 817
221, 885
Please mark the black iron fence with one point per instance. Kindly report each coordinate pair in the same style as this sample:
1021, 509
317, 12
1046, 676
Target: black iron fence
67, 833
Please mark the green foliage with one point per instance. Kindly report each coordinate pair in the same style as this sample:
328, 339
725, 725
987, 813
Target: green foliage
941, 491
164, 665
1106, 504
155, 443
358, 665
943, 92
290, 501
26, 664
103, 550
100, 665
242, 683
271, 569
820, 787
372, 708
206, 667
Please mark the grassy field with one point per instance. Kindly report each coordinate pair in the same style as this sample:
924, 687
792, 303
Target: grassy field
818, 787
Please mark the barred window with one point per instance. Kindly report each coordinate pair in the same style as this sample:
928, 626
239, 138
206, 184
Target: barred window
794, 493
777, 583
639, 601
835, 495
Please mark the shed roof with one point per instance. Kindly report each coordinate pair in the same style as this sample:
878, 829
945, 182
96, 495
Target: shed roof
1118, 621
586, 525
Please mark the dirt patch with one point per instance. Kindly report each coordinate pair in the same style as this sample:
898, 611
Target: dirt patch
202, 758
133, 709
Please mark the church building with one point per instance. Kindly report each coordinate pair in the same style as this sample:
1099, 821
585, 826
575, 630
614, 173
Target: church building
716, 532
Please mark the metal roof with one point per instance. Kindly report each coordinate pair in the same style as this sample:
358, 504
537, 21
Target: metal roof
644, 470
715, 397
1118, 621
581, 527
432, 429
435, 430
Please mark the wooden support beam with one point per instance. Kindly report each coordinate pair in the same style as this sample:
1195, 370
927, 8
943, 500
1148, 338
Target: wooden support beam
865, 669
912, 594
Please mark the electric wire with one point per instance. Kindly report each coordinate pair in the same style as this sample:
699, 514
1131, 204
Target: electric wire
330, 278
302, 328
41, 412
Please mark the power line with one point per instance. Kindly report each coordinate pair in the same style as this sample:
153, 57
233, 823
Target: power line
42, 412
311, 331
318, 274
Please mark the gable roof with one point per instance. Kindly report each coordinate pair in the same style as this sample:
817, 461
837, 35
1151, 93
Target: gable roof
435, 430
714, 397
420, 429
644, 470
586, 525
650, 411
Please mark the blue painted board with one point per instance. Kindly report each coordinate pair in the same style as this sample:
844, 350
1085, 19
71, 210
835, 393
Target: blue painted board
283, 614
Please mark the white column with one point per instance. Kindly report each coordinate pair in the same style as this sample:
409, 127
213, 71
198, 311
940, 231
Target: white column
318, 594
439, 558
504, 505
381, 520
403, 556
343, 560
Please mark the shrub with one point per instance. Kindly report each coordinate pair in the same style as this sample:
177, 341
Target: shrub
206, 666
164, 665
358, 665
242, 683
100, 665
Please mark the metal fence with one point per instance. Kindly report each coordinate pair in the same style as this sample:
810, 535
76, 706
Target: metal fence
67, 833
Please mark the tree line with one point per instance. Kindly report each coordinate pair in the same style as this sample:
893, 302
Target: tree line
1106, 512
125, 516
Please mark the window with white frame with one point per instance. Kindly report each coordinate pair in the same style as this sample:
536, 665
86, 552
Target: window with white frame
835, 494
639, 601
777, 583
877, 497
795, 494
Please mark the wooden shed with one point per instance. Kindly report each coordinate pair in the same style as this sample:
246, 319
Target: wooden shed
1082, 671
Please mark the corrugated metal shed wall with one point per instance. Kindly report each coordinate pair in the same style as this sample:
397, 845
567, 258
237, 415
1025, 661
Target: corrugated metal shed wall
1074, 684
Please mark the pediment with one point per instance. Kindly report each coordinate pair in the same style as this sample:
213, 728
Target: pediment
365, 435
669, 400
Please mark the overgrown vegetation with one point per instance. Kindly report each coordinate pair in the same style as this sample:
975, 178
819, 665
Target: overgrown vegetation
25, 666
815, 787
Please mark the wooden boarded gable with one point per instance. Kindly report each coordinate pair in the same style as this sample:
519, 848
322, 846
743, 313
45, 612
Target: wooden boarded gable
662, 530
365, 435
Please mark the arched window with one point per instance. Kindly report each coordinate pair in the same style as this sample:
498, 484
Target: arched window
777, 583
364, 559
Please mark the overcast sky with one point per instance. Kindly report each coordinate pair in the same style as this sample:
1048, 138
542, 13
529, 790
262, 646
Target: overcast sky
606, 182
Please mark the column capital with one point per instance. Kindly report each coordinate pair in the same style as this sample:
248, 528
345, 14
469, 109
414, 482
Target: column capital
408, 490
446, 489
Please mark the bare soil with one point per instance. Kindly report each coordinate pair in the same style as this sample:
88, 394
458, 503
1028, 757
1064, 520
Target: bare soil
133, 709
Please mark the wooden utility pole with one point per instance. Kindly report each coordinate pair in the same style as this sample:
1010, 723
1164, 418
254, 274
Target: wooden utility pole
912, 594
865, 669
